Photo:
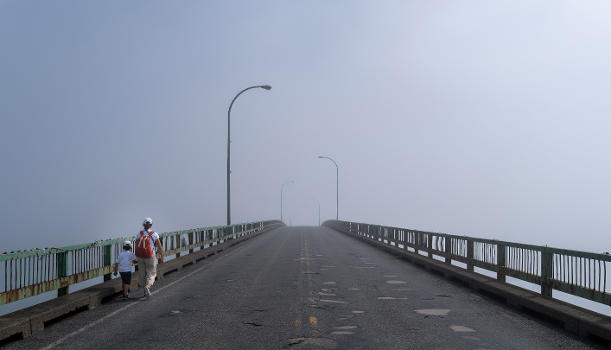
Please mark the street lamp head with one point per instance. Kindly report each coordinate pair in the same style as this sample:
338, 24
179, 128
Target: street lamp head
267, 87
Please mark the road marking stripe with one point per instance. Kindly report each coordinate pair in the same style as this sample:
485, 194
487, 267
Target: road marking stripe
433, 312
396, 282
100, 320
393, 298
332, 301
346, 327
326, 294
457, 328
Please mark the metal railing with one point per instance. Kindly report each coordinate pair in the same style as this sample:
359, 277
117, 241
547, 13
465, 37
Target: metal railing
574, 272
36, 271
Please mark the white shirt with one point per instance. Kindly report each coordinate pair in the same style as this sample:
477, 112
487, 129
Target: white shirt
125, 261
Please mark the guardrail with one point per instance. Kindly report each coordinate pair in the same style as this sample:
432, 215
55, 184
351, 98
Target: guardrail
574, 272
36, 271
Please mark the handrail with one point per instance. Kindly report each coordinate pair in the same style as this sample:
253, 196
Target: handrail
579, 273
27, 273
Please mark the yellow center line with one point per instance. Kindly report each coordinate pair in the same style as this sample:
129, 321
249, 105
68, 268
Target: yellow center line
297, 322
313, 320
305, 262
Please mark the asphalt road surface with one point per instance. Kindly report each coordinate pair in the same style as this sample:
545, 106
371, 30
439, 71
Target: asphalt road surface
303, 288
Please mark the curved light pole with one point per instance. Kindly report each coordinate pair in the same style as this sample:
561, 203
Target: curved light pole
266, 87
336, 186
281, 193
317, 201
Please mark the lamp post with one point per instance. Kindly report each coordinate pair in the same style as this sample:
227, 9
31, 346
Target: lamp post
336, 186
266, 87
317, 201
281, 193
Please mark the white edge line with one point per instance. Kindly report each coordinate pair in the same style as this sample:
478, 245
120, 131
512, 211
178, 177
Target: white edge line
100, 320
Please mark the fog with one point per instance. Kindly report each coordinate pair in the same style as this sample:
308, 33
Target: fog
480, 118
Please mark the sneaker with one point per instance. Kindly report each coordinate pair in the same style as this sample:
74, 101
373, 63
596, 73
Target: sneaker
147, 292
124, 297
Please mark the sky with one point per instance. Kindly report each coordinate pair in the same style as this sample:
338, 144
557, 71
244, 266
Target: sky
482, 118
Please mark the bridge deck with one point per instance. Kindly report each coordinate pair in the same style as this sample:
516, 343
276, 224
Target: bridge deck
302, 288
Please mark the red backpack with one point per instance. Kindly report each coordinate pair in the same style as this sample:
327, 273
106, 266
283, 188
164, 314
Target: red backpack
144, 245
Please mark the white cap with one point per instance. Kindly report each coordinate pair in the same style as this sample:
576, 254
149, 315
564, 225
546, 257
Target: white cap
149, 220
129, 243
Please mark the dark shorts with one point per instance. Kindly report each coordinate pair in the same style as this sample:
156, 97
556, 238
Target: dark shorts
126, 277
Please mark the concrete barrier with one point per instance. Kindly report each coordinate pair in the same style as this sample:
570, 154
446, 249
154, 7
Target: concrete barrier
25, 322
582, 322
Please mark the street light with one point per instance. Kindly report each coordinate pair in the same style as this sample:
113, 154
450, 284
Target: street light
281, 192
266, 87
336, 186
317, 201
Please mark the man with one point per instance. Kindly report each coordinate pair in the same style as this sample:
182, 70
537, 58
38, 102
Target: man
147, 245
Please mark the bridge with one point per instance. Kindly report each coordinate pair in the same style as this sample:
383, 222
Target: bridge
343, 285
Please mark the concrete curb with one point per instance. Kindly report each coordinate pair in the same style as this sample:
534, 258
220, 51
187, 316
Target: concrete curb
25, 322
576, 320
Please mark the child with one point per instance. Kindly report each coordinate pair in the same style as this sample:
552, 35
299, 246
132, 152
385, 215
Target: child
124, 265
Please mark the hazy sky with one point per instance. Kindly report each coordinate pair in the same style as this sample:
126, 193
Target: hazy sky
482, 118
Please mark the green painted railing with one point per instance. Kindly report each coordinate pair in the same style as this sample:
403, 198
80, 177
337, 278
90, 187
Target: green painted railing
36, 271
574, 272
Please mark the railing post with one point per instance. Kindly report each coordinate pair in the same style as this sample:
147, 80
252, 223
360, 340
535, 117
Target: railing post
61, 260
429, 242
177, 244
469, 254
448, 247
191, 242
500, 253
546, 272
107, 260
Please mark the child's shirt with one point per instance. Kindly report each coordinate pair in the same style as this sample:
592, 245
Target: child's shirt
125, 261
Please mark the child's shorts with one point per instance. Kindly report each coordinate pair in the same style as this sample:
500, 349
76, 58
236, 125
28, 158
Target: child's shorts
126, 277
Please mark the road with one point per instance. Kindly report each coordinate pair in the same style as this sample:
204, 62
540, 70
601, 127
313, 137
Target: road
303, 288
